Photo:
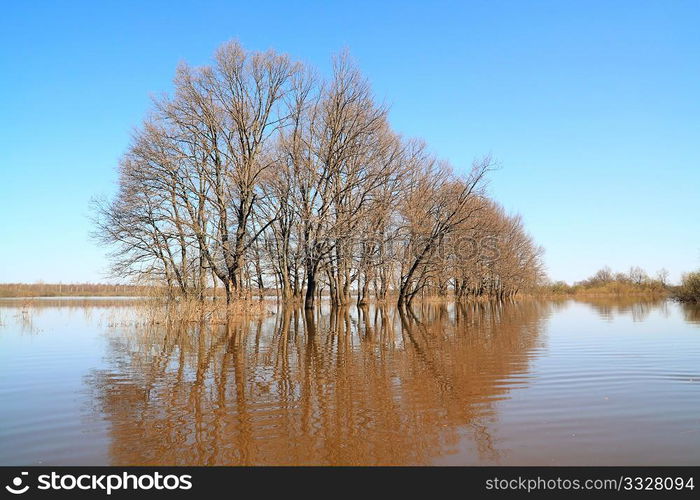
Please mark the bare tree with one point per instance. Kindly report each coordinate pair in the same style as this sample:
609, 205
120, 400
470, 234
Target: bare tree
260, 175
436, 204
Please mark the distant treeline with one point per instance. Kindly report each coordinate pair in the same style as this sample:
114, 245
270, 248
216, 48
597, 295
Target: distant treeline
70, 290
634, 282
606, 282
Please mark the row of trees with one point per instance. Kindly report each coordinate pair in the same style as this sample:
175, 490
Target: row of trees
256, 174
605, 280
635, 276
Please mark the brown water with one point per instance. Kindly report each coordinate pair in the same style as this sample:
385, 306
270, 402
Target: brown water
596, 383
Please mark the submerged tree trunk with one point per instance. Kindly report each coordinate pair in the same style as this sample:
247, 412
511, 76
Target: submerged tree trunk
309, 300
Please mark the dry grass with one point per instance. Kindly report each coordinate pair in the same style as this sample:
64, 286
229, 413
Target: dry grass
70, 290
160, 312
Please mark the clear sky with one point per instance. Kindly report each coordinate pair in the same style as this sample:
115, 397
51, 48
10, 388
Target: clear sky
592, 109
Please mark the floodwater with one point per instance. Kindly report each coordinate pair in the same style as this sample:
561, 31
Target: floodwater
602, 382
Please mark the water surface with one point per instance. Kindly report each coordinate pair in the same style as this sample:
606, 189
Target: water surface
603, 382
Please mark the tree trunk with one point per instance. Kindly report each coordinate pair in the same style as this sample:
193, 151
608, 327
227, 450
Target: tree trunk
310, 285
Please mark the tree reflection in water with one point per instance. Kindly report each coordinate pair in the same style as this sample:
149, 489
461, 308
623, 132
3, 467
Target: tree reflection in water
372, 385
638, 307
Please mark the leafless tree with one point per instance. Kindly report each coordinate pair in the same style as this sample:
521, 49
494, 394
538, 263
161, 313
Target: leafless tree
260, 175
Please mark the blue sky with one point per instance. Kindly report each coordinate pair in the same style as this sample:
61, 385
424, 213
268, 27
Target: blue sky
592, 109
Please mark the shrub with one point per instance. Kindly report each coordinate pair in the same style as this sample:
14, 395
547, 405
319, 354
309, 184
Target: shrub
689, 290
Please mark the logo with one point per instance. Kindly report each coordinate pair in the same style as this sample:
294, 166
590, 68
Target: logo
104, 482
17, 482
